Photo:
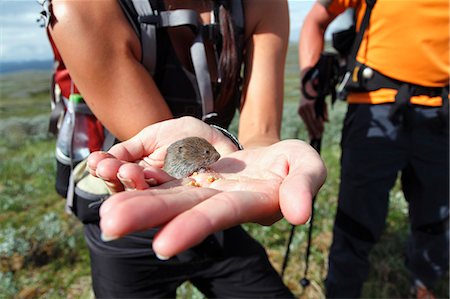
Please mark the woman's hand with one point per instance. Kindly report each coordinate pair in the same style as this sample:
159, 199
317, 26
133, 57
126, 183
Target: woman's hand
256, 185
147, 150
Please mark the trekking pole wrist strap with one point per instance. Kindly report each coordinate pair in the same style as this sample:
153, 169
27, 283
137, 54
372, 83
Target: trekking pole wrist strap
230, 136
308, 77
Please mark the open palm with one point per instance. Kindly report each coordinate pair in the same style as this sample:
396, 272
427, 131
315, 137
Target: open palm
256, 185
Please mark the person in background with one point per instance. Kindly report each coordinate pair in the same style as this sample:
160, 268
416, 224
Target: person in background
98, 44
396, 122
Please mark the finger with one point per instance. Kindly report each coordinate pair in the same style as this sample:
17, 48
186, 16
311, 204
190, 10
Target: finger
131, 175
156, 176
153, 140
319, 127
325, 112
304, 114
93, 160
296, 210
133, 149
127, 212
221, 211
316, 123
306, 175
311, 122
136, 177
113, 201
107, 170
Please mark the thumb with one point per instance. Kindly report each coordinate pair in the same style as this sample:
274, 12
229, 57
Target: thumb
306, 175
296, 199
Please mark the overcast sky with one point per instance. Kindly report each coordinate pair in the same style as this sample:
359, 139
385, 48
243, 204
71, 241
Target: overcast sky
21, 37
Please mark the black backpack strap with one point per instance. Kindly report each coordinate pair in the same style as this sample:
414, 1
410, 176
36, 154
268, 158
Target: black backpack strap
444, 112
149, 19
187, 17
237, 13
359, 36
147, 33
146, 18
198, 55
355, 47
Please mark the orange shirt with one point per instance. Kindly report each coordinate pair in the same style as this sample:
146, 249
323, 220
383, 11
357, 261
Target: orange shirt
407, 40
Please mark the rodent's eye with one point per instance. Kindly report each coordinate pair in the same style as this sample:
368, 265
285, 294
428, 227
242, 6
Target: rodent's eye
207, 152
180, 149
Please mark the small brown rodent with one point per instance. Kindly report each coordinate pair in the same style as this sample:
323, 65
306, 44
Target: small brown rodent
188, 155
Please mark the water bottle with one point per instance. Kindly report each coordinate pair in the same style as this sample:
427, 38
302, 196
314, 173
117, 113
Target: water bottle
72, 143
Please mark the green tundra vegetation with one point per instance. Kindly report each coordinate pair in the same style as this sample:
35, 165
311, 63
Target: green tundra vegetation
42, 251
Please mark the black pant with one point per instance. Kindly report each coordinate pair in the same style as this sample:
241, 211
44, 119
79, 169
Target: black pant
229, 264
374, 151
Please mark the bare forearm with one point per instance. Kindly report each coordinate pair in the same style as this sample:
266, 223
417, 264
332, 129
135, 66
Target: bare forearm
311, 42
261, 112
104, 65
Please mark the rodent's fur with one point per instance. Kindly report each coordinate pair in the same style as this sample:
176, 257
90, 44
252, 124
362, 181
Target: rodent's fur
188, 155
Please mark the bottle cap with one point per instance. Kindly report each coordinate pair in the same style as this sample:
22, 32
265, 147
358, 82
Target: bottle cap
76, 98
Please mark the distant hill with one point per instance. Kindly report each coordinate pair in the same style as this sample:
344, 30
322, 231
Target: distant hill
16, 66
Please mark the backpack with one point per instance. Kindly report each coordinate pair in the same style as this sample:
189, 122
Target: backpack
79, 132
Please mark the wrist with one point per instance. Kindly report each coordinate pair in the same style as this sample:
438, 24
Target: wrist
229, 136
304, 70
308, 80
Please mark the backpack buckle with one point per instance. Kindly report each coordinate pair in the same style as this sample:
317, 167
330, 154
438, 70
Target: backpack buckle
150, 19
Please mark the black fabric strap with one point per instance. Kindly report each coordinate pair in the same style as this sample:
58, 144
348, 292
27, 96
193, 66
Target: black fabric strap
377, 80
444, 112
323, 77
402, 102
230, 136
360, 34
351, 59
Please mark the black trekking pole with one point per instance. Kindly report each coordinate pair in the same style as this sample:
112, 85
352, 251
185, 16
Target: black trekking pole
323, 78
316, 144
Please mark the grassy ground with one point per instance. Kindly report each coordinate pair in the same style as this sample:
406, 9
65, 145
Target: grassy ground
42, 252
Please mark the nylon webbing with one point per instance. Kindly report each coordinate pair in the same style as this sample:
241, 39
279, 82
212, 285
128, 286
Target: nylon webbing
71, 187
174, 18
198, 55
356, 44
237, 14
180, 17
148, 36
359, 36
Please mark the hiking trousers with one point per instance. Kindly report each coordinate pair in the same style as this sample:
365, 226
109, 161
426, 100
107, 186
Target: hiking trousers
374, 151
228, 264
